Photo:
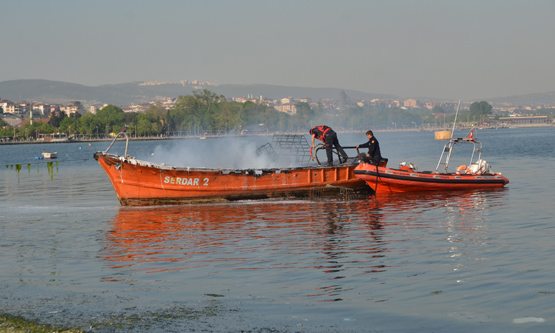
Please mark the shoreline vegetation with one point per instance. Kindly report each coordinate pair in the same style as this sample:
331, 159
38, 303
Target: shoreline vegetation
195, 317
133, 137
205, 114
18, 324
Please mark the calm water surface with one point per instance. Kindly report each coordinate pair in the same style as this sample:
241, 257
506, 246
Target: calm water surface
443, 262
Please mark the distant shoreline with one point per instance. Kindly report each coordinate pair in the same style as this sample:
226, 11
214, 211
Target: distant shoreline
148, 138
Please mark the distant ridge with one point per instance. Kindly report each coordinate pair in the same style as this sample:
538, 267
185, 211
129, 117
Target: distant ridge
128, 93
546, 99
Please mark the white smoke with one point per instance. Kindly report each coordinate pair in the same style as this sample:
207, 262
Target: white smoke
220, 153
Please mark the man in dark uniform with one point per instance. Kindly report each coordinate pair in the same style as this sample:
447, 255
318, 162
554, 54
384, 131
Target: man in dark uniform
329, 138
374, 156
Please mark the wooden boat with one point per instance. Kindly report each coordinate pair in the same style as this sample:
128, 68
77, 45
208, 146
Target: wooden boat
476, 175
49, 155
137, 182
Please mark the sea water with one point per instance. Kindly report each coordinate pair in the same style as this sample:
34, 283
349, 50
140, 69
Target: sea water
480, 261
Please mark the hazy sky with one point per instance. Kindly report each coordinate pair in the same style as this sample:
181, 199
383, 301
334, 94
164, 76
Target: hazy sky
458, 49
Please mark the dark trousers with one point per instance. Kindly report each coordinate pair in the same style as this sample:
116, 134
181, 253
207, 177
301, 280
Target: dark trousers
367, 159
331, 141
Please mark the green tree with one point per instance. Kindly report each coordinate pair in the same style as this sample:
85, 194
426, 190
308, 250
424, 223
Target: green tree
110, 119
303, 116
170, 125
68, 125
130, 118
480, 108
197, 113
56, 119
144, 125
157, 113
188, 111
7, 131
45, 128
438, 109
207, 97
228, 117
87, 124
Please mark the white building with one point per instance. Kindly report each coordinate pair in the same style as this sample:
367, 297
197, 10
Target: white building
42, 109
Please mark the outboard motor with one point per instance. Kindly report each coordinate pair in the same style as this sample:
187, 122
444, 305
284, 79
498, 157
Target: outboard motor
480, 167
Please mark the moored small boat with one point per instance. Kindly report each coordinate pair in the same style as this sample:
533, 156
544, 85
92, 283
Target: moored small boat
137, 182
47, 156
477, 175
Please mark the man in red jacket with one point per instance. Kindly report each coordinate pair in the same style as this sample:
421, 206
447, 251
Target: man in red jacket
329, 138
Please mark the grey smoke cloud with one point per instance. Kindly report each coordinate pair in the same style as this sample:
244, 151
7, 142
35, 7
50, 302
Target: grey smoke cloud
226, 153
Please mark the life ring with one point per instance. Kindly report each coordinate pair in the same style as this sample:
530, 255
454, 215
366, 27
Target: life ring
462, 169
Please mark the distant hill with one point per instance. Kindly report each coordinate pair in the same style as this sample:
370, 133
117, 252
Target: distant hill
128, 93
544, 99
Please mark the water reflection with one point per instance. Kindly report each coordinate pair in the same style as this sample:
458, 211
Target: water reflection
176, 233
454, 226
322, 249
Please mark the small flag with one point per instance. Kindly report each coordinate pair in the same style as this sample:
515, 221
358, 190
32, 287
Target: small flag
471, 135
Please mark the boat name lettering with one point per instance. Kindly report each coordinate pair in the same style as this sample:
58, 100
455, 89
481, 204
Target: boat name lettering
184, 181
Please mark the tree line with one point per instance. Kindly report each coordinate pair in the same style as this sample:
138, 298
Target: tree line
206, 112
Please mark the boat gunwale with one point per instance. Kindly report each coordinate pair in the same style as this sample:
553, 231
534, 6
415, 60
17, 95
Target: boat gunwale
453, 178
162, 166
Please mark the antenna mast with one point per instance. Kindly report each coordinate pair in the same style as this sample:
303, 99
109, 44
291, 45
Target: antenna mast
455, 121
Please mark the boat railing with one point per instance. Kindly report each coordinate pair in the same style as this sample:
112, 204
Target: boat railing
334, 151
115, 138
359, 155
292, 146
448, 148
295, 147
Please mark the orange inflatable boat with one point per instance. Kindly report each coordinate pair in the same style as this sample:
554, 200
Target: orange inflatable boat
477, 175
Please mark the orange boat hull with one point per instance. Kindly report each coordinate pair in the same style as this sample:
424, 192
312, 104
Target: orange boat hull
140, 183
385, 180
